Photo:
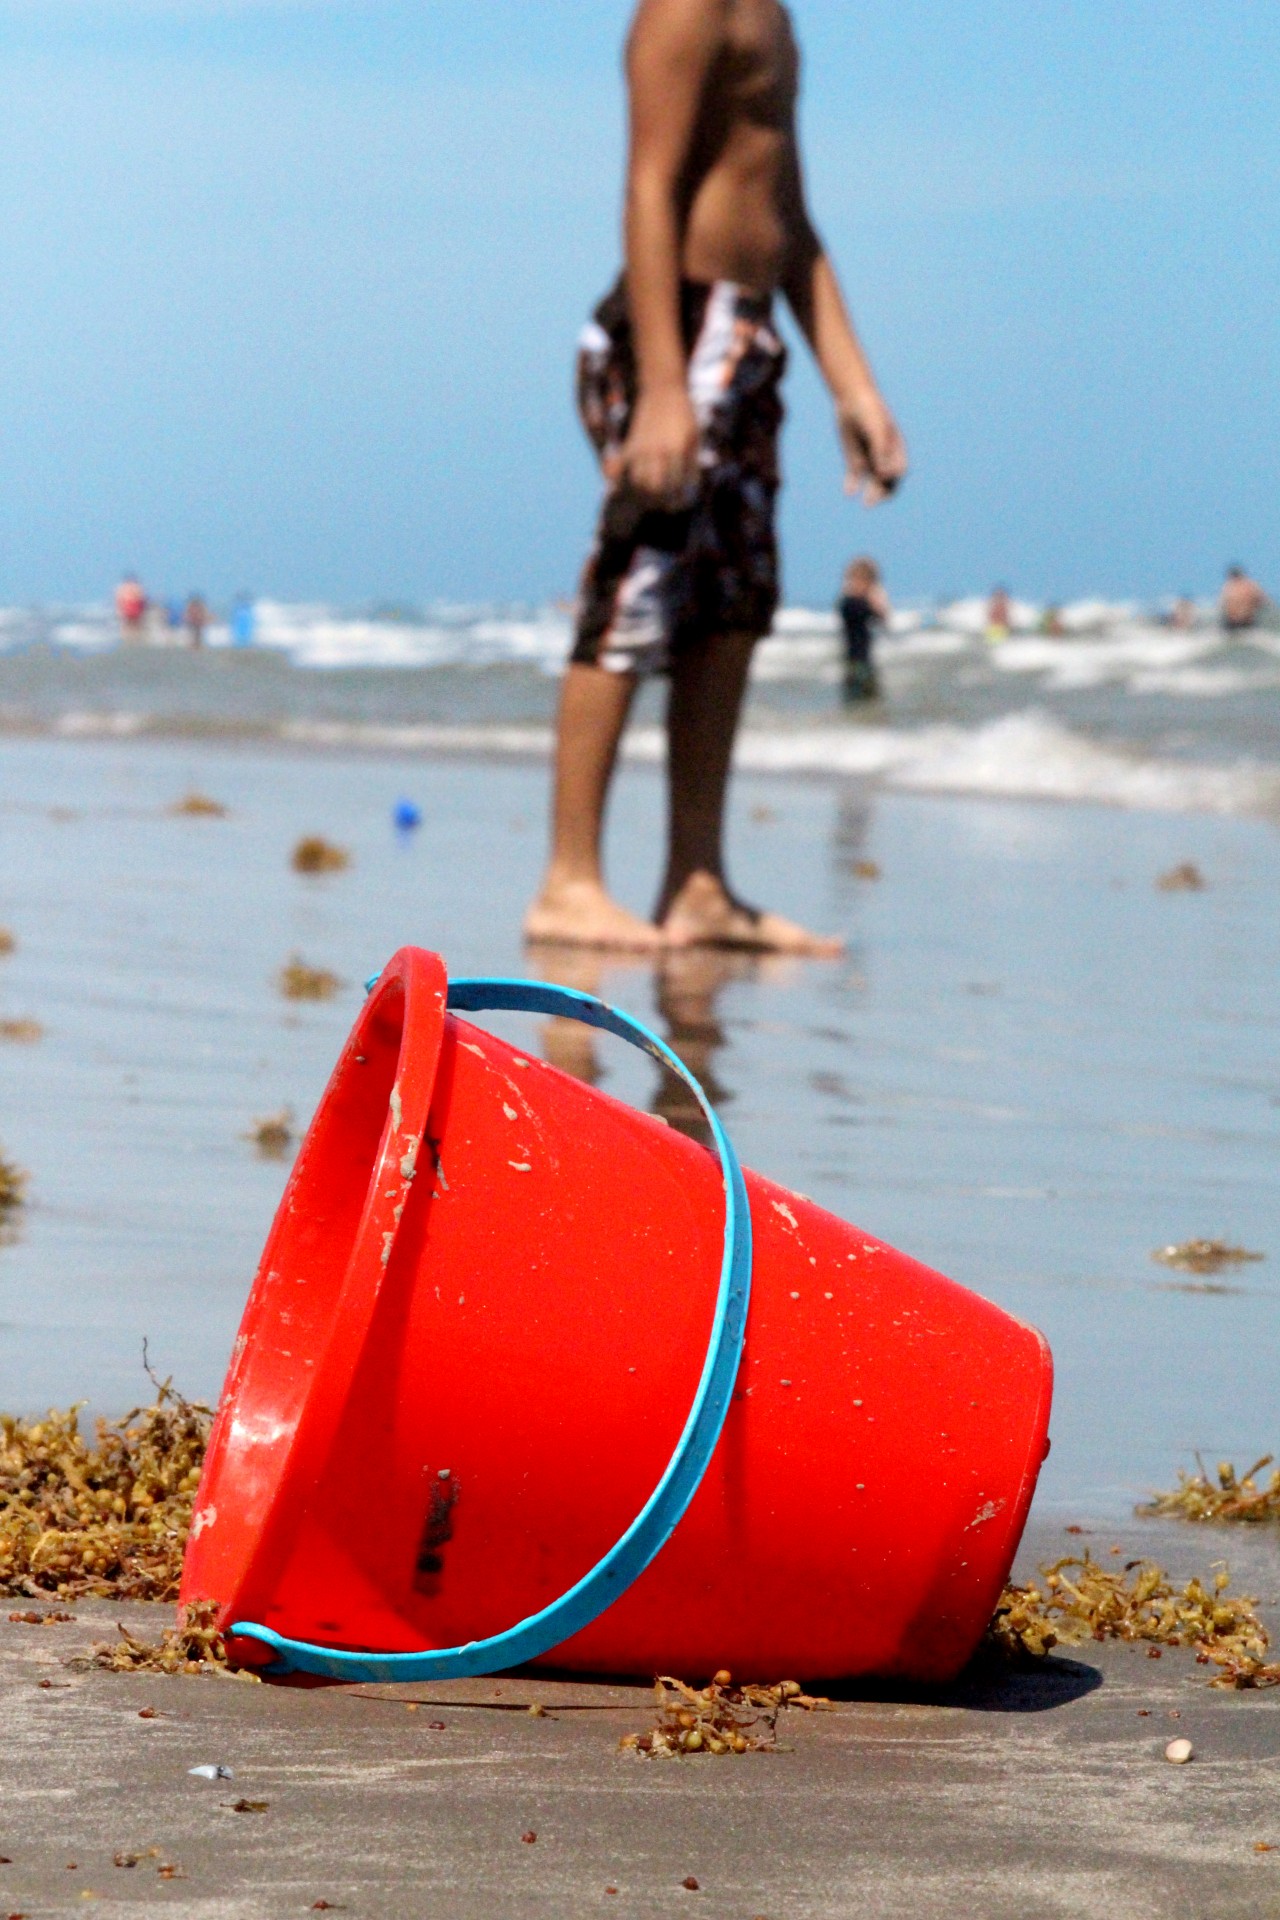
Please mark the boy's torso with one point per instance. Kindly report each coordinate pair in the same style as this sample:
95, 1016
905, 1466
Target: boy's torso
737, 201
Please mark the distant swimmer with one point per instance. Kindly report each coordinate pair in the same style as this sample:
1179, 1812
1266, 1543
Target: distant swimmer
195, 618
1182, 615
131, 607
679, 387
999, 615
864, 609
1241, 602
1052, 624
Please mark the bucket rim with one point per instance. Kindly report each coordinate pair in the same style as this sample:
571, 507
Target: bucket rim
418, 979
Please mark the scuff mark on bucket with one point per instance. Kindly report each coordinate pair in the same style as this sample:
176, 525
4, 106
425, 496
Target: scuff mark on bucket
987, 1511
433, 1148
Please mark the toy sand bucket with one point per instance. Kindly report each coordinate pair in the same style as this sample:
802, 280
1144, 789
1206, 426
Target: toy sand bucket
526, 1375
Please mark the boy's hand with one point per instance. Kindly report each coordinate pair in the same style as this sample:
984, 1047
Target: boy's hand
660, 457
875, 453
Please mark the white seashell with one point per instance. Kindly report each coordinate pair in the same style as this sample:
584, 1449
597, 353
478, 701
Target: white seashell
1179, 1752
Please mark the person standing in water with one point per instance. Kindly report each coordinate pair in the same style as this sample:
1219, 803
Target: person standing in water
195, 619
131, 607
999, 615
679, 377
864, 609
1241, 602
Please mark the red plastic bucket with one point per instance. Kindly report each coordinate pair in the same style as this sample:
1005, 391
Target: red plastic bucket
534, 1292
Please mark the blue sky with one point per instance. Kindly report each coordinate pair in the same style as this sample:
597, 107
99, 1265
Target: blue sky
290, 291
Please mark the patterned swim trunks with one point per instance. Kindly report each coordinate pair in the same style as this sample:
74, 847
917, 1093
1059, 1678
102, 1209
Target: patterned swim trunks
655, 576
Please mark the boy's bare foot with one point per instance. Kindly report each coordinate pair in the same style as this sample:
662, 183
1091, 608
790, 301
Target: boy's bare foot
705, 914
580, 913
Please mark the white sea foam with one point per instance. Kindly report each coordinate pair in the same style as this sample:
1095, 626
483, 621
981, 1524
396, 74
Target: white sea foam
463, 637
1104, 643
1019, 756
100, 726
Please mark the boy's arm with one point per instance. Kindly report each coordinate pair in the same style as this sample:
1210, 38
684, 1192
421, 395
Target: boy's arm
669, 55
875, 453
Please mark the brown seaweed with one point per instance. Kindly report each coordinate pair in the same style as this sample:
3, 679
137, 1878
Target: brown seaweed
1234, 1497
1186, 877
299, 981
718, 1719
13, 1182
23, 1033
315, 854
1080, 1600
109, 1517
273, 1136
194, 1647
198, 806
1204, 1256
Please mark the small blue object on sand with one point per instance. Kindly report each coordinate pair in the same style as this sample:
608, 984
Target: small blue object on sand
407, 816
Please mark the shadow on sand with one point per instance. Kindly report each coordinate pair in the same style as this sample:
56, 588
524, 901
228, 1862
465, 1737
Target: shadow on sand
987, 1685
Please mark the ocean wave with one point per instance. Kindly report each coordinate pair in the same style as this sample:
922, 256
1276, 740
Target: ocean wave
1020, 756
1024, 756
1102, 643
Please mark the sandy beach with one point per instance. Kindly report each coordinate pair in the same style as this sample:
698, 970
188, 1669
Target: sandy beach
1009, 1794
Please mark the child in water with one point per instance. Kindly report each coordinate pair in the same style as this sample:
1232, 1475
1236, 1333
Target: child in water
864, 609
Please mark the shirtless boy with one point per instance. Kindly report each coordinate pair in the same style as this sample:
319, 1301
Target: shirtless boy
678, 381
1241, 602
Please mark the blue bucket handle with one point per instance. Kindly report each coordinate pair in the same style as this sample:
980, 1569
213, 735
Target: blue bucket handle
669, 1501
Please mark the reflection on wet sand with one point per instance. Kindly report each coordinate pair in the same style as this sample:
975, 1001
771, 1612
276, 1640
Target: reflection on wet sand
850, 841
687, 986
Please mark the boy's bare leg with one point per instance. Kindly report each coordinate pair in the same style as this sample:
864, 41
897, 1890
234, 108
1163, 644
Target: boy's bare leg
573, 905
695, 907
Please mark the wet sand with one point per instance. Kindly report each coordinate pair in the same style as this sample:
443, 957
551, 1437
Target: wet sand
1031, 1068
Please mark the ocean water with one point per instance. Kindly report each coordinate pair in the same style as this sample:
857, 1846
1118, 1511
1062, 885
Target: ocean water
1121, 710
1031, 1068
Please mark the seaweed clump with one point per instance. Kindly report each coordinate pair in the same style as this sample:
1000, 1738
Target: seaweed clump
13, 1183
722, 1718
8, 944
1204, 1256
198, 806
194, 1646
1081, 1600
1234, 1497
298, 981
21, 1032
314, 854
273, 1136
1186, 877
109, 1518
